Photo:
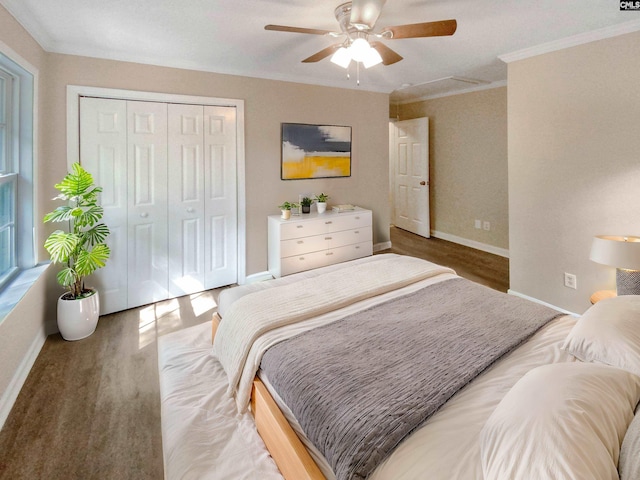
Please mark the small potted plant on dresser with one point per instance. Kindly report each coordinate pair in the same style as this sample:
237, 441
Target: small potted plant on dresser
82, 250
305, 203
285, 208
321, 202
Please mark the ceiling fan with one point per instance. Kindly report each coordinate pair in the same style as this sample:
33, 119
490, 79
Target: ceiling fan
357, 21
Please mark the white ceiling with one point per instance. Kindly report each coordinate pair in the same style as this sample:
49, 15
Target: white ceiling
227, 36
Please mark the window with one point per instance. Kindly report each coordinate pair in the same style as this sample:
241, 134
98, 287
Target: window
16, 169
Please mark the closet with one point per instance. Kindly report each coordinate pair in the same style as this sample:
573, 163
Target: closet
168, 174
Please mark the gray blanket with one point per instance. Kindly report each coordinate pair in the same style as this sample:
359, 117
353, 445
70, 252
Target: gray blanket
360, 385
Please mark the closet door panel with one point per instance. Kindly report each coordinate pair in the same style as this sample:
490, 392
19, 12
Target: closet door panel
103, 152
186, 199
221, 196
147, 202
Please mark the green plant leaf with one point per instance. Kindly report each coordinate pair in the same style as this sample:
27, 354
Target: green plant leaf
61, 245
60, 214
66, 277
76, 183
90, 216
96, 234
90, 260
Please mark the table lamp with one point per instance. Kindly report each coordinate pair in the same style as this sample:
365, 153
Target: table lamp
622, 252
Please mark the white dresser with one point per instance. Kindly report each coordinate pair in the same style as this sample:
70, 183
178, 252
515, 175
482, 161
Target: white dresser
315, 240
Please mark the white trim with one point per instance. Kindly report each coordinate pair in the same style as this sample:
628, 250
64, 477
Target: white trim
492, 85
471, 243
381, 246
74, 92
575, 40
10, 395
258, 277
535, 300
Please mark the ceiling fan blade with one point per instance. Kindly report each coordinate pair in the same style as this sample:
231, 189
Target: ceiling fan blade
389, 57
365, 13
324, 53
427, 29
282, 28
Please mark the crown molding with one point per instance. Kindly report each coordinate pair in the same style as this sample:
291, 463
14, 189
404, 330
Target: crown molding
573, 41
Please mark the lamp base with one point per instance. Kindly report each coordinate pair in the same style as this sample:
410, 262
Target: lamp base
627, 282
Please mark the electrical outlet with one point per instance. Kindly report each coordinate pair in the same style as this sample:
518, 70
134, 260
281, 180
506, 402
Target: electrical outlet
486, 226
478, 224
570, 280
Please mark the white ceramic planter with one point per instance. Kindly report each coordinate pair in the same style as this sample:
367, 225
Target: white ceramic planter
286, 214
322, 207
77, 319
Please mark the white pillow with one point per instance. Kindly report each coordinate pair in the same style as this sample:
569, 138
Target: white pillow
609, 333
560, 421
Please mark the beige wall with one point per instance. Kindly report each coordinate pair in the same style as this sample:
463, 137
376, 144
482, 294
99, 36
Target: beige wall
267, 104
574, 165
468, 163
23, 330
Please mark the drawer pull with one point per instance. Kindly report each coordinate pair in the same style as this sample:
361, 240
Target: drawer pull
357, 218
357, 247
301, 258
299, 226
356, 231
328, 238
329, 253
300, 242
328, 223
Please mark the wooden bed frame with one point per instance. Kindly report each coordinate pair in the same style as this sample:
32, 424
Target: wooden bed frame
282, 442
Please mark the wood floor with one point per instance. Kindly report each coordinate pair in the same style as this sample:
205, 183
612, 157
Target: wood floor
91, 409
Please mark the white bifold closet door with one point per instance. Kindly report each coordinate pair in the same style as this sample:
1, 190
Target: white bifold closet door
168, 173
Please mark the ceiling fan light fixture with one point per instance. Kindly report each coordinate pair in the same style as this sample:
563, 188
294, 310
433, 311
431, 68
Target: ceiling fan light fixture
342, 57
372, 58
359, 49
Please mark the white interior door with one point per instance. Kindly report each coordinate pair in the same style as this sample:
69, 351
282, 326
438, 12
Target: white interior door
103, 152
186, 199
147, 203
411, 179
221, 200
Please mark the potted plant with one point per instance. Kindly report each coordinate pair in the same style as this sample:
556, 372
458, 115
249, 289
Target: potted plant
286, 210
82, 250
321, 200
305, 203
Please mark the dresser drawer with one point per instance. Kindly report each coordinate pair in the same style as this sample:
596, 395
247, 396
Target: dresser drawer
351, 252
298, 246
348, 221
349, 237
307, 261
299, 229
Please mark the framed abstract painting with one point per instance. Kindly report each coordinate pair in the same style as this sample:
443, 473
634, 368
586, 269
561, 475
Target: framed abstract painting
315, 151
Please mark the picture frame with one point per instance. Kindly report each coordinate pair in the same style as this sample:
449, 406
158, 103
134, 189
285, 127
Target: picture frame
315, 151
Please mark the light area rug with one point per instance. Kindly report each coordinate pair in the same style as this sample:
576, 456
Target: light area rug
203, 435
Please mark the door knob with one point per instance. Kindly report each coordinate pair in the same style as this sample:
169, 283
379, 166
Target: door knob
423, 182
144, 214
190, 210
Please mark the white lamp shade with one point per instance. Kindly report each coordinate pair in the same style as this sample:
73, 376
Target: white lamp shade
372, 58
616, 251
359, 49
341, 57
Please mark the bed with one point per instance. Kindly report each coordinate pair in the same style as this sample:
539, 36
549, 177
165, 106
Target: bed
516, 414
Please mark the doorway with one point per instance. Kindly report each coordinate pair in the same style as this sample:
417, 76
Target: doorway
409, 175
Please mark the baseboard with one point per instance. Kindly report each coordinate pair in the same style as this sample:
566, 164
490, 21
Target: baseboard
535, 300
258, 277
10, 395
502, 252
381, 246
